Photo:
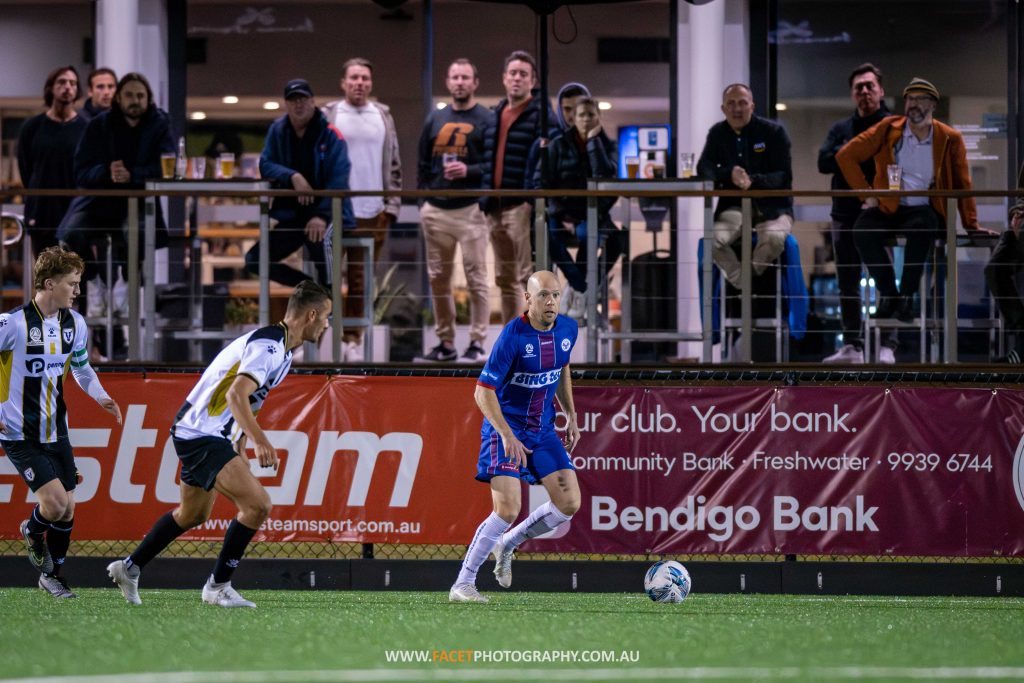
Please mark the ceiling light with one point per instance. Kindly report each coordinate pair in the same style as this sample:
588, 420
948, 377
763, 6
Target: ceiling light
229, 99
197, 115
440, 105
604, 106
271, 106
781, 107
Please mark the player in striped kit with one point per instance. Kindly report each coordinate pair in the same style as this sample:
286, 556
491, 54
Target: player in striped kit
210, 434
527, 369
39, 343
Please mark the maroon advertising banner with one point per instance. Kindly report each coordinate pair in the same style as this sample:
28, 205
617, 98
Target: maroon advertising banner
668, 470
815, 470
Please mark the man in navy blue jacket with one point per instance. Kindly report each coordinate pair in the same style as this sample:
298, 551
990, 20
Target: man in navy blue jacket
746, 152
506, 150
302, 152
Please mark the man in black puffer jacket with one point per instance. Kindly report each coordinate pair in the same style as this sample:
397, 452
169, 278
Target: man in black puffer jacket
581, 152
506, 150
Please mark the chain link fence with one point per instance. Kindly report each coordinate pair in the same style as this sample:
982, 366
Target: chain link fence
397, 551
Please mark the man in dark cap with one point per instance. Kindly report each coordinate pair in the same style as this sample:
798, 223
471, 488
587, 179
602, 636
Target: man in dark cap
302, 152
906, 143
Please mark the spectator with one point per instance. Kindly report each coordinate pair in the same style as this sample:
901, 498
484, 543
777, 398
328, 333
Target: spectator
302, 152
46, 155
506, 167
581, 152
102, 85
372, 141
748, 152
867, 93
451, 157
120, 149
907, 141
1004, 265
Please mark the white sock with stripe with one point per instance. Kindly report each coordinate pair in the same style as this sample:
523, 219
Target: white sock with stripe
542, 520
484, 540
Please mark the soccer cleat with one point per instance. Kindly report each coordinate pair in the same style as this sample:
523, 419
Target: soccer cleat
55, 586
886, 356
224, 595
503, 564
474, 353
467, 592
847, 355
38, 553
439, 354
127, 579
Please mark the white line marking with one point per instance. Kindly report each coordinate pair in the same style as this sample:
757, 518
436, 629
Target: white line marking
467, 674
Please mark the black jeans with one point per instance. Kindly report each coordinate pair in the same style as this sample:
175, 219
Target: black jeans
848, 274
286, 238
1001, 272
919, 224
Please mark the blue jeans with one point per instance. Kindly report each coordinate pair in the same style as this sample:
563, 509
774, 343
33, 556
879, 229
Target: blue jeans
608, 234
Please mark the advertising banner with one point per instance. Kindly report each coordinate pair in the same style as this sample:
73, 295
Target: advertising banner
739, 470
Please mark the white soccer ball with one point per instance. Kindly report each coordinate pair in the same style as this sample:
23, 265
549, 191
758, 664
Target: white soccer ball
667, 581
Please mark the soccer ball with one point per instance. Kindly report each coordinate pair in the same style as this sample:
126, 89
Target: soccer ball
667, 581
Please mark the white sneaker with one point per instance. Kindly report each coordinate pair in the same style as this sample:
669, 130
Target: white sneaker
96, 298
467, 592
127, 579
223, 595
848, 354
503, 564
578, 307
352, 352
119, 298
886, 356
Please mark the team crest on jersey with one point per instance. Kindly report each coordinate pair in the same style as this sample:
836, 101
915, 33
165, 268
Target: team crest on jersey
69, 334
35, 336
566, 344
529, 351
30, 474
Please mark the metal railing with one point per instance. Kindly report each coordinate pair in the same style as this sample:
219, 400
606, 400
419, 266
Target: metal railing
142, 338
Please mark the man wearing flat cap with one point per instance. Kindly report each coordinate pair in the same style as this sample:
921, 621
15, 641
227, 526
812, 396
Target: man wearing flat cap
931, 156
302, 152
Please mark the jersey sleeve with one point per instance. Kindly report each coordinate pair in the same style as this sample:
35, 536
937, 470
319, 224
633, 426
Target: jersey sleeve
499, 363
80, 349
260, 358
8, 332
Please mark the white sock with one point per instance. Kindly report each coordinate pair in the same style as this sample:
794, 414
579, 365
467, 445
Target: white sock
542, 520
484, 540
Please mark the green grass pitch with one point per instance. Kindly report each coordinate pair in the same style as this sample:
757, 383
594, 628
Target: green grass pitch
345, 636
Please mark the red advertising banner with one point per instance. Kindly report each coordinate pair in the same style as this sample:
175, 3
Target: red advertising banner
743, 470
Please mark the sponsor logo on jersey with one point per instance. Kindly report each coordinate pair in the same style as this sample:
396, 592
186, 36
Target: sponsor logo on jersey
566, 344
35, 336
34, 366
51, 332
534, 380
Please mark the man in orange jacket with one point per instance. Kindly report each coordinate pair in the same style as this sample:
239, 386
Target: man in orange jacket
931, 156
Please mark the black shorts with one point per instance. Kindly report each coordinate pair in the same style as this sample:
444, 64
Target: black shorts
202, 459
40, 463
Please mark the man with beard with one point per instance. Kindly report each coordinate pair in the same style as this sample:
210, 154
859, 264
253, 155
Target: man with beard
46, 153
932, 155
867, 93
120, 149
210, 435
451, 158
102, 84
